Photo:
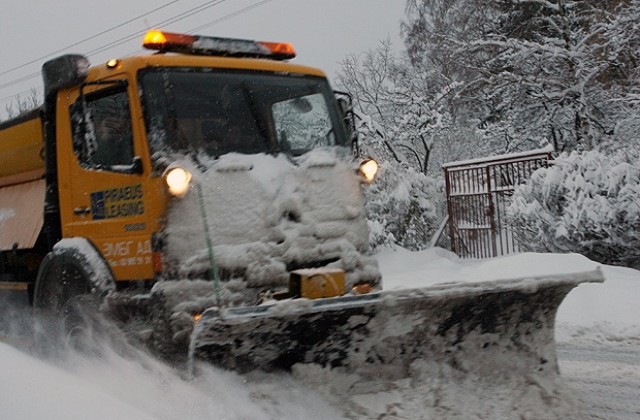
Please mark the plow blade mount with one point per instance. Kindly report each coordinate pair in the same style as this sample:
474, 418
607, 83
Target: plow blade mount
472, 327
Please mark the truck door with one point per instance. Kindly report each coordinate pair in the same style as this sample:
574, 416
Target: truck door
105, 194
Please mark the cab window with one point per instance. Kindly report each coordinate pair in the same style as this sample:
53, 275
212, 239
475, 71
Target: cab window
102, 133
303, 123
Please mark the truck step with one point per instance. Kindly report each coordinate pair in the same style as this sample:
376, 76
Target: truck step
13, 294
14, 285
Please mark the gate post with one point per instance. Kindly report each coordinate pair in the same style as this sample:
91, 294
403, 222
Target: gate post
447, 184
491, 213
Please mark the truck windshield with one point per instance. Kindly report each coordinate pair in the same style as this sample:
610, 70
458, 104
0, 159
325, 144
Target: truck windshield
213, 112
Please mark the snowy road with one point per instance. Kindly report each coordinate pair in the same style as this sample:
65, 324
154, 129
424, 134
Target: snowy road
604, 377
598, 348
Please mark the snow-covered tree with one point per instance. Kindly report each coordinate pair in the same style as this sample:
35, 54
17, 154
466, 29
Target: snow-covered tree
586, 203
404, 206
402, 106
531, 71
480, 78
402, 124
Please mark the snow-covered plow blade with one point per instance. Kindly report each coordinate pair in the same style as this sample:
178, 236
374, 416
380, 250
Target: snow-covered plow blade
480, 328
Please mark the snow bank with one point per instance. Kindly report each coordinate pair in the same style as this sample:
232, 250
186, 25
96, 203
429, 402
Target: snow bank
43, 391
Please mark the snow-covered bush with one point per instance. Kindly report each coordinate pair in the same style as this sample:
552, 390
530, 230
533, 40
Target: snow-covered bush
404, 207
587, 203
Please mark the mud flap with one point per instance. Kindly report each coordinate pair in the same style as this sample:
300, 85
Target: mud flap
479, 328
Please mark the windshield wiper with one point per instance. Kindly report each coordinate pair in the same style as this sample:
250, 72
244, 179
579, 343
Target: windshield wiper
264, 131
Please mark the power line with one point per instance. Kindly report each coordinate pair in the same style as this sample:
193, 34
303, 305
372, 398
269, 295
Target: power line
165, 22
21, 79
222, 19
191, 12
87, 39
187, 14
230, 15
173, 19
120, 41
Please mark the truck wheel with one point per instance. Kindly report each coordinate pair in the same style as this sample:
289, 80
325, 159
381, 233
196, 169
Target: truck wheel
69, 289
59, 279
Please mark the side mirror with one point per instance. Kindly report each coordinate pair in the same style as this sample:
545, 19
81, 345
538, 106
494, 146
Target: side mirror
64, 71
345, 104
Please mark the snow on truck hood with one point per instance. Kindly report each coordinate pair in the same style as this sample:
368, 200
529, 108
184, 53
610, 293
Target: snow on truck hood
270, 214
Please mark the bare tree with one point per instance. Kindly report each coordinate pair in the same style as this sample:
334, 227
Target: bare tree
22, 104
406, 106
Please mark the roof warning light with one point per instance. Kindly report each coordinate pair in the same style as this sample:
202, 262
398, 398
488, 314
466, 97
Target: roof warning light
226, 47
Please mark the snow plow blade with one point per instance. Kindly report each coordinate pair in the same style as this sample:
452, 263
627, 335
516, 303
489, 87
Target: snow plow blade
472, 327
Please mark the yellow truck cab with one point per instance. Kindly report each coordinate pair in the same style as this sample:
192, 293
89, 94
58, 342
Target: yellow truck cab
87, 183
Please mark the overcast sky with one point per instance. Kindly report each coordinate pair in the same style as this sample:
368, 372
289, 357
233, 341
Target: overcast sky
322, 31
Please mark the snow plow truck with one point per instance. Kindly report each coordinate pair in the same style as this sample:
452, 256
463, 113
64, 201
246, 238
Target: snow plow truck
208, 200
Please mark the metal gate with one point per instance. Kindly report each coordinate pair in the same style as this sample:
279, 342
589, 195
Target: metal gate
478, 193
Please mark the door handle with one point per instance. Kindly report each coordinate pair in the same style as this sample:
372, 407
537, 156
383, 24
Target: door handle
82, 211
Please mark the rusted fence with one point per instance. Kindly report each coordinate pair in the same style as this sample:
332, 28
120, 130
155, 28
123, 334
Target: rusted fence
478, 194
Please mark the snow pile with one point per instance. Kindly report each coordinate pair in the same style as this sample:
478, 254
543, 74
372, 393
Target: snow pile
137, 387
448, 394
268, 215
59, 394
585, 203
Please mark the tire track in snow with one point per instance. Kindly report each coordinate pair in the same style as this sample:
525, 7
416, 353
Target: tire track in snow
605, 378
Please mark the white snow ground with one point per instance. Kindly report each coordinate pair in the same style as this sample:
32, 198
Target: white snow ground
597, 332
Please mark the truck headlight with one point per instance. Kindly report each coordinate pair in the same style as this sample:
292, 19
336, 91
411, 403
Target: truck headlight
177, 180
368, 170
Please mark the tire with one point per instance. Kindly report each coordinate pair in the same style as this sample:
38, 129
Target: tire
67, 298
60, 278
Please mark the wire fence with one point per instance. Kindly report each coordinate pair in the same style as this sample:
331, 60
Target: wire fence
478, 194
